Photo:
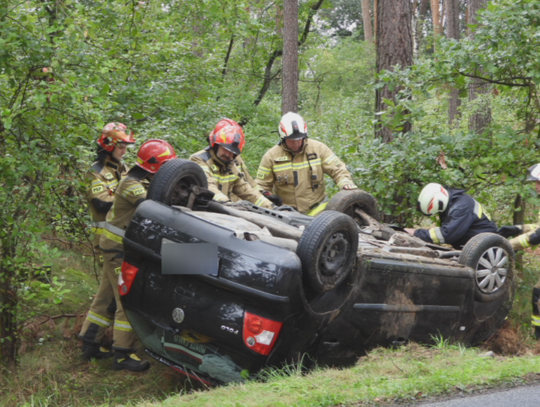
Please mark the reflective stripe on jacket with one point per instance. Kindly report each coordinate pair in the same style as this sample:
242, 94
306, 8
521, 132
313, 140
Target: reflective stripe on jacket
102, 179
525, 240
299, 179
225, 180
463, 218
129, 194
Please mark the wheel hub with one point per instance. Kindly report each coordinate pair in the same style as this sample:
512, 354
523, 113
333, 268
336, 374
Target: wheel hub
334, 254
491, 270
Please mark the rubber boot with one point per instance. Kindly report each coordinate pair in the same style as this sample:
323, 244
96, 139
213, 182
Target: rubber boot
94, 351
129, 361
537, 332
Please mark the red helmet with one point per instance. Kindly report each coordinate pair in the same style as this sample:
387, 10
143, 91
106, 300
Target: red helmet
229, 136
224, 123
153, 154
114, 133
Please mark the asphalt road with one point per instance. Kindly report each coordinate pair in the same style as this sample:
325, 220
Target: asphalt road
527, 396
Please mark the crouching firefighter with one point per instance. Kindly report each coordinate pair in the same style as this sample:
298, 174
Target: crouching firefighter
528, 235
130, 193
462, 217
104, 175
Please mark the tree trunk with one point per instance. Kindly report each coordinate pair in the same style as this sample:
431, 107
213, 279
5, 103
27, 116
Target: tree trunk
420, 22
375, 18
519, 219
452, 31
366, 17
436, 17
289, 101
8, 328
394, 47
481, 119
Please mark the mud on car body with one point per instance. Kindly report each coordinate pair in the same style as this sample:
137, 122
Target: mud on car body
285, 287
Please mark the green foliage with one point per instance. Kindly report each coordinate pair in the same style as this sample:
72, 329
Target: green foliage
165, 70
67, 68
491, 166
343, 18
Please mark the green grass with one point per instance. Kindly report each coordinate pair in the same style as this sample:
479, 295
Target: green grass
51, 372
411, 373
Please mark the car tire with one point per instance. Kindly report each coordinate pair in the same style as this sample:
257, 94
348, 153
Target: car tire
171, 183
347, 201
492, 258
327, 250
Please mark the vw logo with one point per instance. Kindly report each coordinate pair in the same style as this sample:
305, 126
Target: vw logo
178, 315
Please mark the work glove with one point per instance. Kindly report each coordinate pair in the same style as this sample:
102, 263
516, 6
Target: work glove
349, 187
275, 199
509, 231
534, 239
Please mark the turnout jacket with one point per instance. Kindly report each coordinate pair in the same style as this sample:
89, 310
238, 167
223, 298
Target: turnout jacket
102, 179
530, 237
244, 173
299, 179
463, 218
224, 180
130, 193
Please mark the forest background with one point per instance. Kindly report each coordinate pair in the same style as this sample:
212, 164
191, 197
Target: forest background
405, 92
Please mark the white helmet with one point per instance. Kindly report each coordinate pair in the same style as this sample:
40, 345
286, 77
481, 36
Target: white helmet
292, 126
533, 173
433, 199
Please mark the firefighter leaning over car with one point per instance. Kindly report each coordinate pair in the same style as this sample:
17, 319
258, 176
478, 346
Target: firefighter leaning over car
461, 216
105, 174
130, 193
218, 162
294, 169
528, 236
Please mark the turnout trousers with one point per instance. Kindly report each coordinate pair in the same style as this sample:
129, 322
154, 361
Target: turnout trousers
536, 306
107, 309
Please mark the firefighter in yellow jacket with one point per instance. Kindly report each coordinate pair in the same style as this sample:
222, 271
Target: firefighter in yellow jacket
294, 169
130, 193
218, 162
528, 236
105, 174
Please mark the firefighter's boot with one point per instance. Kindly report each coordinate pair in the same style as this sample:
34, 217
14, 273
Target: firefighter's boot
94, 351
129, 361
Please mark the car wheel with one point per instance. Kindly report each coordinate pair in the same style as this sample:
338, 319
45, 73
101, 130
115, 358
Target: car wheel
327, 250
171, 183
492, 258
347, 201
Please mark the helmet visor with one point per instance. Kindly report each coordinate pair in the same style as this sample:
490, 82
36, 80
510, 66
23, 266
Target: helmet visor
296, 136
233, 148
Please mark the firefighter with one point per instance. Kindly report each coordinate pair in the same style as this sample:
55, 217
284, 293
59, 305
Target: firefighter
217, 160
130, 193
105, 174
294, 169
528, 236
240, 163
461, 216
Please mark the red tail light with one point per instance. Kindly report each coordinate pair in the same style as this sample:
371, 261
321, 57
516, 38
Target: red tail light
260, 334
126, 278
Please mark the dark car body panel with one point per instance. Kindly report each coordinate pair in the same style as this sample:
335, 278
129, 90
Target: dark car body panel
386, 299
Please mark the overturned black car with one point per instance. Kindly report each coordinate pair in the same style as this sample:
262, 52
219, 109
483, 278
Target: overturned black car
218, 292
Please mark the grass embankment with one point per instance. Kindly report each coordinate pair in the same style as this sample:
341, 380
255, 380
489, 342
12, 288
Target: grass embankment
384, 376
52, 373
